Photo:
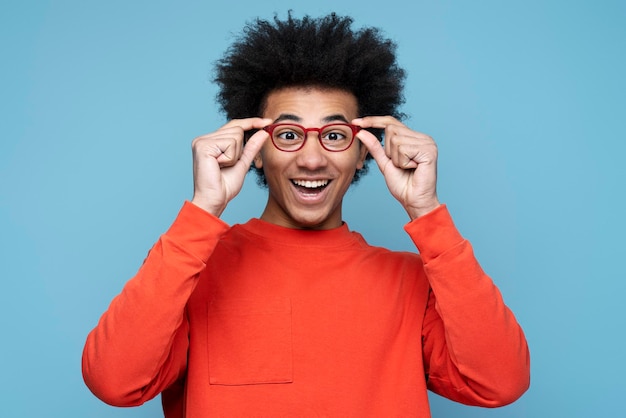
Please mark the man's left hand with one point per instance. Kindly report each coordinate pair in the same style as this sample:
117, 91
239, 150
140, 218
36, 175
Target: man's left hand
408, 161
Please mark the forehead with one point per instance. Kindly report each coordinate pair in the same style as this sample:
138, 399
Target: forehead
312, 103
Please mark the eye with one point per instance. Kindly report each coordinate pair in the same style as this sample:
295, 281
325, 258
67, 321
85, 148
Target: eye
334, 136
288, 133
336, 133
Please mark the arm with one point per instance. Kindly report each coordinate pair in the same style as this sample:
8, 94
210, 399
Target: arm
474, 350
139, 347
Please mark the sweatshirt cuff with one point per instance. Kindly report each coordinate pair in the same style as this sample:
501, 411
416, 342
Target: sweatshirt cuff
196, 230
434, 233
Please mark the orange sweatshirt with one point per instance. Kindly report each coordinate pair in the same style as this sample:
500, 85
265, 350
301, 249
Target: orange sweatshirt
258, 320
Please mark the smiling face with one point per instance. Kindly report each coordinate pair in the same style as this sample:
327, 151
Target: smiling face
306, 187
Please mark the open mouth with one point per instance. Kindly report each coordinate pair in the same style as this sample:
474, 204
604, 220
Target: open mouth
311, 185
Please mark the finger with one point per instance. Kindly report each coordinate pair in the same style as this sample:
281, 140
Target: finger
247, 123
251, 125
405, 155
227, 152
226, 144
377, 122
374, 147
252, 148
390, 124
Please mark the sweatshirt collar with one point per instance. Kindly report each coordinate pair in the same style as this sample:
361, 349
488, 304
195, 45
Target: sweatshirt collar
328, 238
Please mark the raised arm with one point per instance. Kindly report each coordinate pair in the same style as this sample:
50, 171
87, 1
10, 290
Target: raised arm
139, 346
474, 350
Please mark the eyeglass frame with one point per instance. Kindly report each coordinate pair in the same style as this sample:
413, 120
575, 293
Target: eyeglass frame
270, 130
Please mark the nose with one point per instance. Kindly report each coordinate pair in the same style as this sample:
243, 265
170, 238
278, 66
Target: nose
312, 156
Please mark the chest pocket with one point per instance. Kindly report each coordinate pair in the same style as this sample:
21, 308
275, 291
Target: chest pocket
250, 341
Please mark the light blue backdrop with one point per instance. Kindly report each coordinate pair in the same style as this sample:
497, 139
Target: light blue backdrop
100, 101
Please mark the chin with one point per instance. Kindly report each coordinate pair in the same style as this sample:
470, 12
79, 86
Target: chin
314, 222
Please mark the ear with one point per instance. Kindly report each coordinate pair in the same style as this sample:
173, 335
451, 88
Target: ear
258, 161
362, 155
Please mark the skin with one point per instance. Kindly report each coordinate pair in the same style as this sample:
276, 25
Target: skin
290, 204
408, 161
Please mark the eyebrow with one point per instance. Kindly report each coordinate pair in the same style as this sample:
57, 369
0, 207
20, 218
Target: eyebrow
328, 119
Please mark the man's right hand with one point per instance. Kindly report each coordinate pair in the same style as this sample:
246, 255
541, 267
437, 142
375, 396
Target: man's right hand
221, 161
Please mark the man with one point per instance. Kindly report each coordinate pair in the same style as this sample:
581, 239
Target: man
292, 314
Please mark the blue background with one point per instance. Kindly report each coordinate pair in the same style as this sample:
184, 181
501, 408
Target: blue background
99, 102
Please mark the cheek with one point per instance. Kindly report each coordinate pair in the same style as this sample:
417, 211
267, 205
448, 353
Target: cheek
270, 159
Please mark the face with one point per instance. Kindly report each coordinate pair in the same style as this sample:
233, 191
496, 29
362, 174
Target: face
306, 187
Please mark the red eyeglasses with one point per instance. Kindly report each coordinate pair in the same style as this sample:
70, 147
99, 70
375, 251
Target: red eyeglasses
334, 137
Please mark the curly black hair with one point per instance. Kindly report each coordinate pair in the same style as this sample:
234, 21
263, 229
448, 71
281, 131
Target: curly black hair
320, 52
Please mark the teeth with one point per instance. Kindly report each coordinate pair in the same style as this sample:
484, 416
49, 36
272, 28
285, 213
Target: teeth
311, 184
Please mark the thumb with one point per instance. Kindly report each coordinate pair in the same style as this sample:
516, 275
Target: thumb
252, 147
374, 147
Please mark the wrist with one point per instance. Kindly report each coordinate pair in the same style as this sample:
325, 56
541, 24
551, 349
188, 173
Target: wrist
420, 210
208, 206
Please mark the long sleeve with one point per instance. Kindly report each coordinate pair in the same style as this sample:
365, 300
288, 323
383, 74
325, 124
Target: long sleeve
139, 346
474, 350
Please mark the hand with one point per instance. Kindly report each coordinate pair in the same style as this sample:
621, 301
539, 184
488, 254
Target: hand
221, 161
408, 162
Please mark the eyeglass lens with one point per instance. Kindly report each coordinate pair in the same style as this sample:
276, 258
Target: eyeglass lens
334, 137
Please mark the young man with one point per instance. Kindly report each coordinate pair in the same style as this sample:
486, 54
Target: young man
292, 314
